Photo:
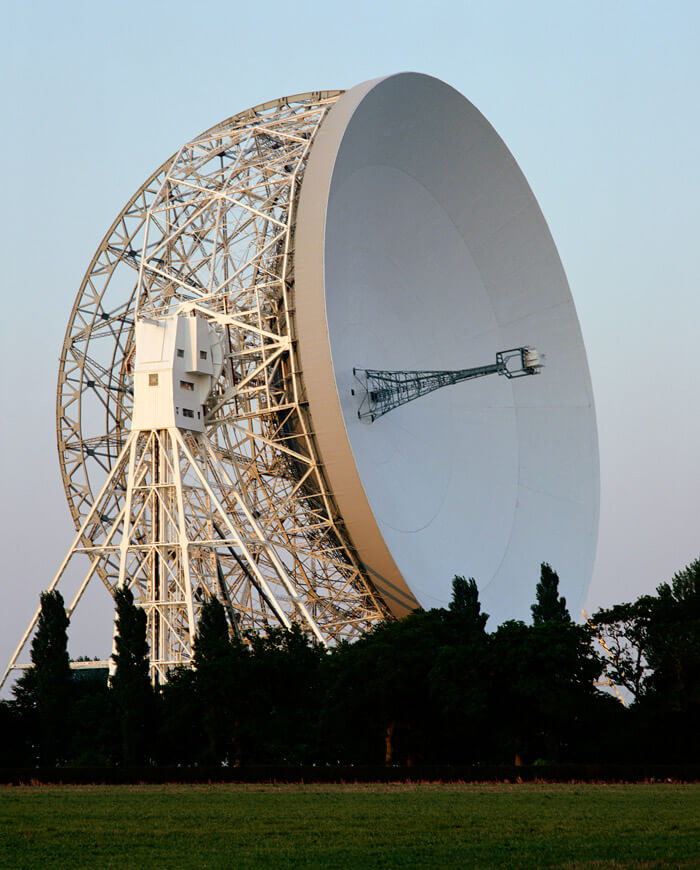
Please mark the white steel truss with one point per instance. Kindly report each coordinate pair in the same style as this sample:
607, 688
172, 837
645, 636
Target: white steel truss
242, 513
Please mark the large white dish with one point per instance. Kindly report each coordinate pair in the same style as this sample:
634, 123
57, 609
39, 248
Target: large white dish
419, 245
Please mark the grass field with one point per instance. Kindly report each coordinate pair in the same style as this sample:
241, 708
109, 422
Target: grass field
420, 825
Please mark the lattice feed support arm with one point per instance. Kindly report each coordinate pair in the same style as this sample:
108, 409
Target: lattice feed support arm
382, 391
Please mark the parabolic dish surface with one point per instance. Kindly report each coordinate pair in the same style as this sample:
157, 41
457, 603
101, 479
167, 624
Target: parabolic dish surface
419, 245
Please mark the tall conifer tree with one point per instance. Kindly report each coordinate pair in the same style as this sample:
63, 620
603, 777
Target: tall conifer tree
549, 606
216, 661
465, 603
131, 685
46, 688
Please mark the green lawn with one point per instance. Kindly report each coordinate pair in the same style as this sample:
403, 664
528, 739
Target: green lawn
421, 825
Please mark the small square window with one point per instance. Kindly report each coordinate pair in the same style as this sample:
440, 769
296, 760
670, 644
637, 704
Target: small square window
202, 354
153, 380
186, 412
180, 352
187, 385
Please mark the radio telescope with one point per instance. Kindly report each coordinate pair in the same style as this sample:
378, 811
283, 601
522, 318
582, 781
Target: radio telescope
249, 399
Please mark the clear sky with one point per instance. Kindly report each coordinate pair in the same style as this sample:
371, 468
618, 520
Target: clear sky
598, 101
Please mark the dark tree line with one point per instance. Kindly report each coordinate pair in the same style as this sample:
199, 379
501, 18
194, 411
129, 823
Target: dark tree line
654, 645
435, 687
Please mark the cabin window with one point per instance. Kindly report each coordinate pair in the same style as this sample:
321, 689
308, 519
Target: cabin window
186, 412
180, 352
202, 354
153, 380
187, 385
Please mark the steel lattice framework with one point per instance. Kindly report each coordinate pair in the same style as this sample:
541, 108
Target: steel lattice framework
382, 391
242, 513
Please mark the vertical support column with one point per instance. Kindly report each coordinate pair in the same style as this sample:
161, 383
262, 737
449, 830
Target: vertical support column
182, 537
154, 595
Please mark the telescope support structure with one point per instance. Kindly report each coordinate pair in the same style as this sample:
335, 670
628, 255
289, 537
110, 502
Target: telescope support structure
385, 390
182, 528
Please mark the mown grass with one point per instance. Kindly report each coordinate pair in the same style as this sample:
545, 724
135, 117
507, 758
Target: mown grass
408, 825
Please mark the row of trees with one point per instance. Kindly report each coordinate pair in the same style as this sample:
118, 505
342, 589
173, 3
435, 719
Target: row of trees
436, 687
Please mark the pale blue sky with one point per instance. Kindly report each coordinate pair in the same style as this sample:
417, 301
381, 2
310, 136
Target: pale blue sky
597, 101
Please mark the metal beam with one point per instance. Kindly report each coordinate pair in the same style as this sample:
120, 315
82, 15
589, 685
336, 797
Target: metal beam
382, 391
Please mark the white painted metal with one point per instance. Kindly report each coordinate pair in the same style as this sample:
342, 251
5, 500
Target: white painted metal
175, 362
230, 502
388, 228
421, 242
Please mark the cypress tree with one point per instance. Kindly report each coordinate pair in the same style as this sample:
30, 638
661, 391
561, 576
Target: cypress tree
549, 606
212, 643
47, 687
217, 662
133, 693
465, 603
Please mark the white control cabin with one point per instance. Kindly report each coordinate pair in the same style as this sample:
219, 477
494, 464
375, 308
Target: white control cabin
175, 363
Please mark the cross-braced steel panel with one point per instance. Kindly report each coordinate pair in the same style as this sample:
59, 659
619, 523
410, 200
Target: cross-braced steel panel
212, 232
